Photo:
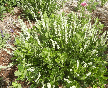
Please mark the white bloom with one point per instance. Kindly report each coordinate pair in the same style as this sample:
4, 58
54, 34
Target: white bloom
54, 43
74, 32
30, 69
77, 74
70, 69
93, 66
81, 49
88, 74
38, 77
73, 87
85, 46
58, 47
28, 65
77, 64
85, 65
90, 63
24, 29
94, 51
48, 85
67, 80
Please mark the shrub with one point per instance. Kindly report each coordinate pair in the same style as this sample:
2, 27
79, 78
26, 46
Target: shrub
61, 50
34, 8
30, 7
90, 4
6, 6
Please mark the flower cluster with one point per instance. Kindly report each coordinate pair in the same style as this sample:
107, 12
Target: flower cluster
83, 4
2, 33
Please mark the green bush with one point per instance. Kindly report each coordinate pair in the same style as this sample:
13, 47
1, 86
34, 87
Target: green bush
31, 8
34, 8
6, 6
61, 50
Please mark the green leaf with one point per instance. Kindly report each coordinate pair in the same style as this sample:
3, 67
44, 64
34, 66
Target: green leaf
46, 34
15, 85
24, 50
57, 60
18, 73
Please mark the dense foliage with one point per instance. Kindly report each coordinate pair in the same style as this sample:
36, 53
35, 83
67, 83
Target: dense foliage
30, 8
60, 49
